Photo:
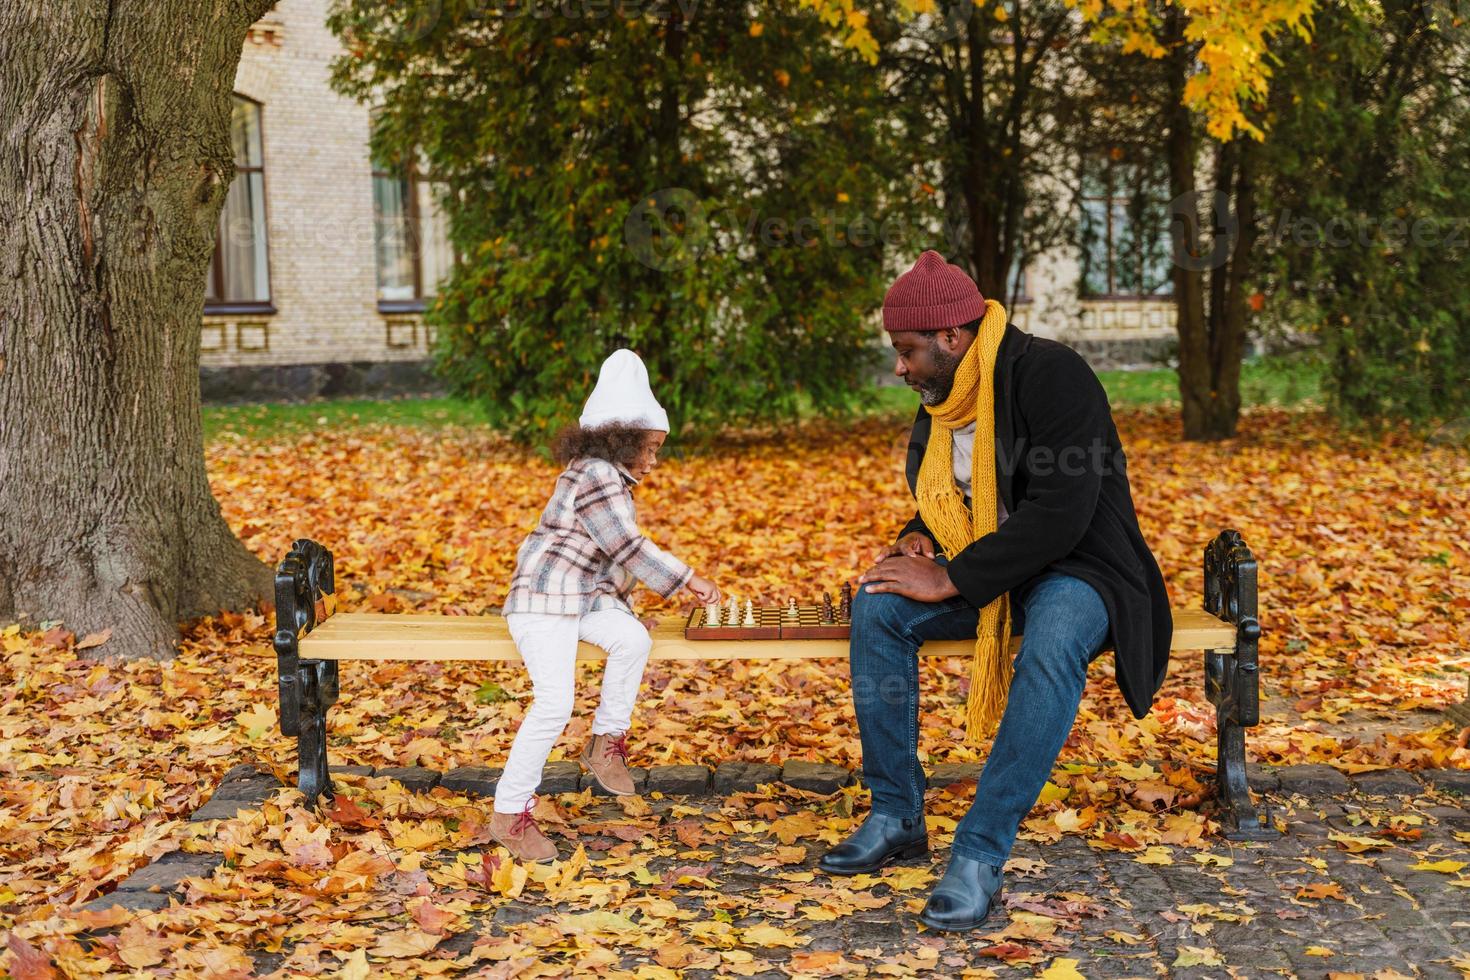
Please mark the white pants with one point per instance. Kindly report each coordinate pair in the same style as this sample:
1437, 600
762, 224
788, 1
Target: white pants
547, 642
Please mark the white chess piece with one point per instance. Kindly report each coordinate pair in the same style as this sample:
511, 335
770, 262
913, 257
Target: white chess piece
732, 615
712, 614
749, 613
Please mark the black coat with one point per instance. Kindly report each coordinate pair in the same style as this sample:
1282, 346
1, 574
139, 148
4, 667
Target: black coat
1061, 473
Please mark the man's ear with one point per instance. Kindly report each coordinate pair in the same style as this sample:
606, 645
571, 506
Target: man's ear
961, 340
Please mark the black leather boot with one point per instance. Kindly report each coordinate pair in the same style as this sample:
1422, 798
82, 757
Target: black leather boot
964, 896
879, 841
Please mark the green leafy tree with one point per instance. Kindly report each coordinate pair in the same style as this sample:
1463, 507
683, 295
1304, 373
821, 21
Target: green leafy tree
1370, 207
699, 181
1205, 113
979, 92
1013, 90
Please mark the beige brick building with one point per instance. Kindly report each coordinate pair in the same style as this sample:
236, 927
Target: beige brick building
328, 299
324, 265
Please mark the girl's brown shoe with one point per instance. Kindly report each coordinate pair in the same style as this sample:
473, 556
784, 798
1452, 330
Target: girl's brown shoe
606, 757
521, 836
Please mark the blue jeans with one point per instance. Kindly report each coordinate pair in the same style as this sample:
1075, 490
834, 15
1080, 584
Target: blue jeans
1064, 624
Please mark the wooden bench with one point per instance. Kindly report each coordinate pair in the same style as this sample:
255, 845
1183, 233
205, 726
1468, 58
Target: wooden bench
311, 640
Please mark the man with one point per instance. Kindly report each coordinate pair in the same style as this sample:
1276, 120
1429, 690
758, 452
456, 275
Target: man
1025, 525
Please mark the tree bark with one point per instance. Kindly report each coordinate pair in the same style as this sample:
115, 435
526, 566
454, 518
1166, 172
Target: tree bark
979, 163
1211, 342
990, 111
1230, 315
113, 168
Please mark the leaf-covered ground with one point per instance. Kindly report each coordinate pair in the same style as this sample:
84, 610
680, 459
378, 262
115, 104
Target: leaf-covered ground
1364, 581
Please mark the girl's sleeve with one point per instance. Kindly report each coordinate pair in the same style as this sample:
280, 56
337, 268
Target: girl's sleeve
604, 510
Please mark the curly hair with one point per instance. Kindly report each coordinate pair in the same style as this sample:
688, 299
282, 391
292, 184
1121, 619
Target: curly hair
615, 442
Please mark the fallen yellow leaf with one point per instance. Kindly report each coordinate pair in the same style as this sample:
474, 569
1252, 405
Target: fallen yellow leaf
767, 935
1196, 956
1062, 969
1444, 867
405, 942
355, 967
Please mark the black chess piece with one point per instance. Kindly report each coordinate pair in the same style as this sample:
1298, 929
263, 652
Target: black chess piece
827, 608
845, 609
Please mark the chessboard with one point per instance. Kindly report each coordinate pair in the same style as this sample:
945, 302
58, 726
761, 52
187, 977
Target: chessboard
768, 626
808, 625
772, 623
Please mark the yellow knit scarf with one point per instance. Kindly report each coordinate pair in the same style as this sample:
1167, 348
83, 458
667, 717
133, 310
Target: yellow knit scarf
942, 507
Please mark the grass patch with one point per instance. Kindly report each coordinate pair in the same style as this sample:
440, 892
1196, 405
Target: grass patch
1283, 381
1286, 380
284, 418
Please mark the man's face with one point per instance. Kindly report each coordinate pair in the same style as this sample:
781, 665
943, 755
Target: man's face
648, 455
927, 361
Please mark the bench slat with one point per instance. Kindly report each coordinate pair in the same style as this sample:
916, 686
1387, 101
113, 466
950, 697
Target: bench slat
433, 636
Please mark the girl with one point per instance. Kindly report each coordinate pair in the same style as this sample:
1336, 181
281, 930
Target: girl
573, 574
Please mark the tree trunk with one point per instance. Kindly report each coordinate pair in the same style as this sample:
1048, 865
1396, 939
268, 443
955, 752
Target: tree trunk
982, 170
1229, 317
992, 152
1209, 381
113, 170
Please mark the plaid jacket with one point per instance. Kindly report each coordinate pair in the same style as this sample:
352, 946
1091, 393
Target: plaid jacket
586, 553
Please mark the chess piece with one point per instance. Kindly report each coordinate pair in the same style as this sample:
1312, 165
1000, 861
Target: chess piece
791, 610
712, 614
827, 608
845, 609
732, 614
749, 613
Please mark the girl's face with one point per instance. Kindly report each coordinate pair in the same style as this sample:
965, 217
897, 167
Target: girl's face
648, 454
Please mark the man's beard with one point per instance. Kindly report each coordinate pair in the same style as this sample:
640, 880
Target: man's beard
937, 389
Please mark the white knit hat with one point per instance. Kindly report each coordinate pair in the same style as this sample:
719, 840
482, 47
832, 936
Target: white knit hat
622, 394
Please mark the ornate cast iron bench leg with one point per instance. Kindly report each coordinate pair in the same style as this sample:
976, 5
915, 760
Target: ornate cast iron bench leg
1232, 682
305, 597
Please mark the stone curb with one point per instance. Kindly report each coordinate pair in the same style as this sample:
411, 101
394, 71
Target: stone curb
1319, 780
566, 776
244, 786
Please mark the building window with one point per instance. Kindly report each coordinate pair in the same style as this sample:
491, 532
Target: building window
239, 273
412, 240
1125, 234
1018, 281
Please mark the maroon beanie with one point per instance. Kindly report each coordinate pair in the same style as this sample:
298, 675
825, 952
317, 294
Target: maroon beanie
931, 296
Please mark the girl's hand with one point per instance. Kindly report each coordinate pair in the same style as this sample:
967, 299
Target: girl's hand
704, 590
649, 622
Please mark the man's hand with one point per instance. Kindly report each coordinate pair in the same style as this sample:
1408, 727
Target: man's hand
913, 577
915, 544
